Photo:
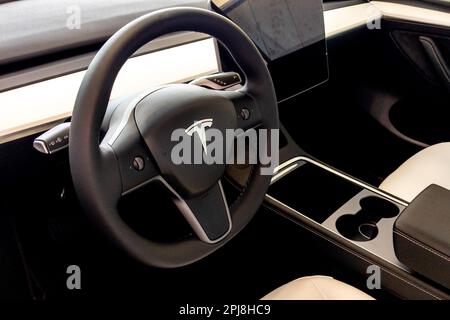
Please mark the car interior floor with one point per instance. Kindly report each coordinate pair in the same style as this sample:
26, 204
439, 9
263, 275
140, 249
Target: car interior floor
253, 264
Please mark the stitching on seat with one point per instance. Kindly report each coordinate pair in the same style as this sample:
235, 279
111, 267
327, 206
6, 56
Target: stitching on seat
324, 296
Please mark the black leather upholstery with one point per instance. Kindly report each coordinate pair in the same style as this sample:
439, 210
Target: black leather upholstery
422, 235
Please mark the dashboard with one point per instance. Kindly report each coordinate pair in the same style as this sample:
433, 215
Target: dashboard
37, 97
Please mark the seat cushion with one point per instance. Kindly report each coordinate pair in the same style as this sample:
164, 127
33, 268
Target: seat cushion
429, 166
317, 288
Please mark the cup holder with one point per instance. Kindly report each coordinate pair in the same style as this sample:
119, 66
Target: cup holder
362, 225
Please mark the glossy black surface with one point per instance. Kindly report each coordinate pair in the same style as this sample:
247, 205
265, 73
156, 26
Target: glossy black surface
300, 70
313, 191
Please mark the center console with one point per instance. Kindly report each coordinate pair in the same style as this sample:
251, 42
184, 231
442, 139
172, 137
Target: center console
352, 210
361, 225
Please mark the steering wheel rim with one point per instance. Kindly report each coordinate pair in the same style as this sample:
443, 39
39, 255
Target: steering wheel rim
93, 166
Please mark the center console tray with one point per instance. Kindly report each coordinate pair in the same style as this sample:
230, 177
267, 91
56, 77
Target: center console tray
355, 211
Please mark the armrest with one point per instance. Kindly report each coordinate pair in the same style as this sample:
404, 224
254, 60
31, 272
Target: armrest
422, 235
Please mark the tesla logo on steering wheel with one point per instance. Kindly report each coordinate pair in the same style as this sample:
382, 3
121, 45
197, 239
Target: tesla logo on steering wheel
199, 127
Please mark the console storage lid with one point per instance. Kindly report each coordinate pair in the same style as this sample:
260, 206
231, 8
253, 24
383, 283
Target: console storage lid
422, 235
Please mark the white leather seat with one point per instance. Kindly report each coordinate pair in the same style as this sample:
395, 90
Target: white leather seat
317, 288
429, 166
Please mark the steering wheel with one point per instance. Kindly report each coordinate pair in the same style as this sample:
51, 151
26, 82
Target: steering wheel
137, 146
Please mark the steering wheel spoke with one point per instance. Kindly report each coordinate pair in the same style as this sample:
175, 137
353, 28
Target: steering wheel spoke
208, 214
135, 162
247, 110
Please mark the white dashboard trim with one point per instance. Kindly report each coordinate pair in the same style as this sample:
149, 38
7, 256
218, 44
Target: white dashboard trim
344, 19
38, 104
413, 14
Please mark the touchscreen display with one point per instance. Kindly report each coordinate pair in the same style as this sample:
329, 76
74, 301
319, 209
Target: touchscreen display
278, 27
291, 36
